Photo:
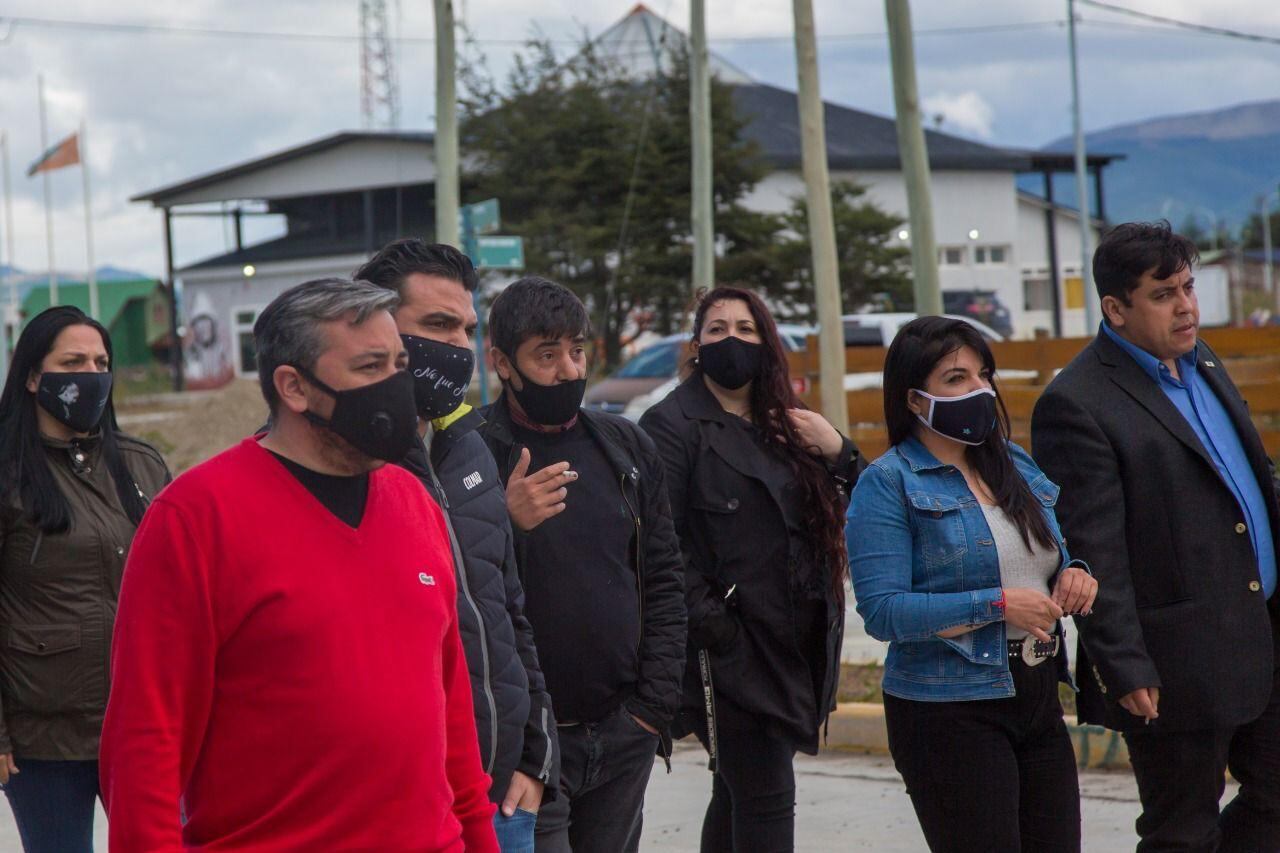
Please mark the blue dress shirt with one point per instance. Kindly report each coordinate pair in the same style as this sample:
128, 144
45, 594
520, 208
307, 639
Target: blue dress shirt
1207, 416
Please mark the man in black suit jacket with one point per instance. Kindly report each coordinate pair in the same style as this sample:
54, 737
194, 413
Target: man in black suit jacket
1168, 493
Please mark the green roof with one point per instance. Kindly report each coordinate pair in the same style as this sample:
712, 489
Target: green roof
112, 296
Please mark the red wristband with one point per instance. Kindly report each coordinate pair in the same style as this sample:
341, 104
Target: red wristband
1000, 602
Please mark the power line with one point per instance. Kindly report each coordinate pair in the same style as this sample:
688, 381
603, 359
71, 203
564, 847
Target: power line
13, 22
979, 29
1186, 25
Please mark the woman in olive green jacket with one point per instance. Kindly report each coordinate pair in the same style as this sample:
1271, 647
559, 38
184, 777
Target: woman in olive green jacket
72, 491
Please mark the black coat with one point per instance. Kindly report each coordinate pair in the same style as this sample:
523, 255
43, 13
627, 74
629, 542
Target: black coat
513, 711
733, 534
1178, 605
655, 552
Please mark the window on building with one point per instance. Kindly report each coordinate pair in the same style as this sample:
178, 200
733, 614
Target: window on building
951, 256
990, 254
1037, 294
242, 320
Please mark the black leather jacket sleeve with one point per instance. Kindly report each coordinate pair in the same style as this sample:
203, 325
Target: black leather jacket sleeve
662, 646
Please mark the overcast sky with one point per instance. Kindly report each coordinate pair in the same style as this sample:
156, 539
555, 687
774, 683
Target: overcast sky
164, 107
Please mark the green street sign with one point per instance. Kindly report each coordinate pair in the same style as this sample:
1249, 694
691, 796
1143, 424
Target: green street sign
500, 253
484, 216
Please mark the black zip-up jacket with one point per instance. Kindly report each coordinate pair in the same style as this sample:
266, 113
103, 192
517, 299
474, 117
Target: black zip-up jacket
732, 520
513, 710
655, 552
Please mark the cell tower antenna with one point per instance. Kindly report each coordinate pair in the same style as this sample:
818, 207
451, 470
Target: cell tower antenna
379, 85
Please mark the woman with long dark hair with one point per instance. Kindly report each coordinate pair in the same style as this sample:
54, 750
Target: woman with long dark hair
758, 485
72, 491
957, 560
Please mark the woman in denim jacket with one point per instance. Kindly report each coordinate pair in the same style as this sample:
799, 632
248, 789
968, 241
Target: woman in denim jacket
957, 560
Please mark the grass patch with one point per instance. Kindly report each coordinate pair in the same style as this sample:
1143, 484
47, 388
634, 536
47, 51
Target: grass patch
861, 683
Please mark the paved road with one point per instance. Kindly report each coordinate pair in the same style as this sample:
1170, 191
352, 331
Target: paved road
857, 802
844, 803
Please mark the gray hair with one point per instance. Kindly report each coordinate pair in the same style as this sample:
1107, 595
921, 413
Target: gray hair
288, 330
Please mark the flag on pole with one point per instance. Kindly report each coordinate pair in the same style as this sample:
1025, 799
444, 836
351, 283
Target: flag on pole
65, 153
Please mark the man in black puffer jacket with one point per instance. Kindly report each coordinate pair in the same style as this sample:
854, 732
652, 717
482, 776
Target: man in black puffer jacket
518, 744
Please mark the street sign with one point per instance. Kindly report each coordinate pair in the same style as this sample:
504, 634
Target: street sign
500, 253
483, 214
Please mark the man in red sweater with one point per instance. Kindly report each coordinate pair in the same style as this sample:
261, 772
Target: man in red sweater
286, 671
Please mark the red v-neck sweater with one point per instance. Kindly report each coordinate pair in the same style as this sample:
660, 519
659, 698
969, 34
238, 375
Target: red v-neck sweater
286, 682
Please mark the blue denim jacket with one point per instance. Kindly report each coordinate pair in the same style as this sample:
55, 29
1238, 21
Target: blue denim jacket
922, 560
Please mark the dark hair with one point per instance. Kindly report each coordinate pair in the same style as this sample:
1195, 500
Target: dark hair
24, 465
288, 330
400, 259
914, 353
535, 307
1133, 248
771, 397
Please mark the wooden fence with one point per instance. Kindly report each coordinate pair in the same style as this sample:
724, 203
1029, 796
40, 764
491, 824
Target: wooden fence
1252, 358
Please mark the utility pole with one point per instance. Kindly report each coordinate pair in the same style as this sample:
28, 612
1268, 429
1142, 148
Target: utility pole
822, 233
9, 312
446, 145
915, 158
1091, 307
48, 209
703, 213
92, 277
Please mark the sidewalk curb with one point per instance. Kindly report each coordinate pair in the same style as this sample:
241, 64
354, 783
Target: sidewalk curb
859, 727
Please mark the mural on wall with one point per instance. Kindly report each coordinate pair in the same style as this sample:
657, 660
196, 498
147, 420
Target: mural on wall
206, 352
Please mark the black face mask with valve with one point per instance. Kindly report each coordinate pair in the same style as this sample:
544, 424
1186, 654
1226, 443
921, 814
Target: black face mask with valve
441, 373
549, 405
379, 420
731, 362
75, 399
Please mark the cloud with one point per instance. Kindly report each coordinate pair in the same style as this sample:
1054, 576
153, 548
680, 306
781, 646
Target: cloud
966, 113
161, 108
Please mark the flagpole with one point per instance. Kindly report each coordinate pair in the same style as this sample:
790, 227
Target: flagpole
10, 329
88, 224
48, 210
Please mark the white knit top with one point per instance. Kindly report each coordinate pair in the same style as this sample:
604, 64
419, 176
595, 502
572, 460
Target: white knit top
1019, 567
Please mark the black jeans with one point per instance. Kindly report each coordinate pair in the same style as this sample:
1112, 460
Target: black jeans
753, 795
994, 775
1181, 779
604, 770
53, 804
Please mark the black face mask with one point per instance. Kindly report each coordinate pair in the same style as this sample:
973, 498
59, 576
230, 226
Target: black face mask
731, 362
549, 405
441, 373
75, 399
968, 419
378, 420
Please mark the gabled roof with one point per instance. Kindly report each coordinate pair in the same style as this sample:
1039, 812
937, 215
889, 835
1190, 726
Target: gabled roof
642, 42
856, 139
162, 196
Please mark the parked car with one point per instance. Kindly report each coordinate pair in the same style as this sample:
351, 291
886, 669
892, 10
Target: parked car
981, 305
651, 373
878, 330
